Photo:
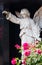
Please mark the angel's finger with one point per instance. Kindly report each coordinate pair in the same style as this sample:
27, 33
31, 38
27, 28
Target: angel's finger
4, 12
17, 12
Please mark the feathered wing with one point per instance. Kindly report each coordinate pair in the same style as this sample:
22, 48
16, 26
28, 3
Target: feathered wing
37, 19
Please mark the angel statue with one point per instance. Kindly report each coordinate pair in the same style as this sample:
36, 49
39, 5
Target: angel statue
29, 31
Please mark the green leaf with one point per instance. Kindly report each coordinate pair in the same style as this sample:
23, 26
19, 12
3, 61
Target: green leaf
17, 58
20, 51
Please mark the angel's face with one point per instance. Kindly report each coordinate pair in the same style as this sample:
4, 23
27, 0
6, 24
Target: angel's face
24, 15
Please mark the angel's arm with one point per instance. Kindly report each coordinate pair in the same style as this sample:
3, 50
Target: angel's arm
11, 17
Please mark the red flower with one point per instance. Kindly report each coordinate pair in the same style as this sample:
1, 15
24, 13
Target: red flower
26, 46
17, 46
13, 61
38, 51
27, 53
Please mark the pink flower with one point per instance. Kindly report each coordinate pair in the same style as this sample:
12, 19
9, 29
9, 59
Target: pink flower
13, 61
26, 46
27, 52
32, 46
17, 46
23, 62
38, 51
36, 42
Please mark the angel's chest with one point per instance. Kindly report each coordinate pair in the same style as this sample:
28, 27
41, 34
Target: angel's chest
24, 23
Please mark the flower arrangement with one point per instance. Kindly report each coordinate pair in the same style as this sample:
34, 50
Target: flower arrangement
32, 54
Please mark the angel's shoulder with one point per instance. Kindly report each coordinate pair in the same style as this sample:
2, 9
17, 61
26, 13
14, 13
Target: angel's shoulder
31, 19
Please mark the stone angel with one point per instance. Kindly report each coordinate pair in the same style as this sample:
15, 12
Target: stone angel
29, 31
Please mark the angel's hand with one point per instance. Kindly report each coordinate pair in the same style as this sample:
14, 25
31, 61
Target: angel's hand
6, 13
17, 13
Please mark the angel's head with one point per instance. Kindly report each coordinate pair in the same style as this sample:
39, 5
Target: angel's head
24, 13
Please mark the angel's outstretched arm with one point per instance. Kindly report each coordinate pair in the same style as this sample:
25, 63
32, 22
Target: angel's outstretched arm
11, 17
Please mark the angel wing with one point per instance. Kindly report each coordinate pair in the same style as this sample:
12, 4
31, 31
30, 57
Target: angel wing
38, 20
38, 17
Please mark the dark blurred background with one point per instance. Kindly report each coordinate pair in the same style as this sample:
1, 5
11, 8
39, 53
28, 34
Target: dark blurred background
9, 32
